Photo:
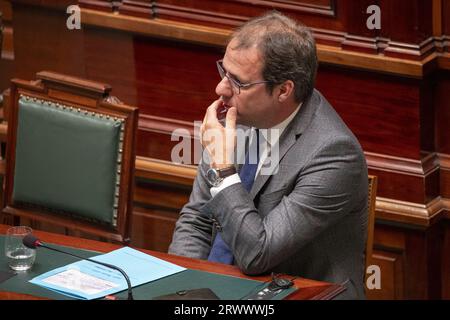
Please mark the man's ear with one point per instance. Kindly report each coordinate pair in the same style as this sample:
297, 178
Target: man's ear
285, 90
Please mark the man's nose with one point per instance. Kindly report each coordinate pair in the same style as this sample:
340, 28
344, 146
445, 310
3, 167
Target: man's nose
224, 89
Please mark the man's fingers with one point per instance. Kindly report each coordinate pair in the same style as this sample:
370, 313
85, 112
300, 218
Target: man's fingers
211, 112
231, 118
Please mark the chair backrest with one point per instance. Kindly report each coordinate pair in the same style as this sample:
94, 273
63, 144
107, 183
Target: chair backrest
372, 197
70, 156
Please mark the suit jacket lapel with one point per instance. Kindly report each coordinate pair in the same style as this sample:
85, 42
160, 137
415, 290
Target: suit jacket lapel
288, 138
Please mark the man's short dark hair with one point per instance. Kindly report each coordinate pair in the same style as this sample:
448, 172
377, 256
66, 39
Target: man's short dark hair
287, 48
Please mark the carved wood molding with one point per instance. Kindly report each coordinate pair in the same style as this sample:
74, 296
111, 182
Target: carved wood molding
171, 11
392, 210
155, 169
166, 11
164, 125
444, 161
102, 5
171, 15
325, 8
420, 215
416, 214
394, 49
6, 32
416, 167
136, 8
428, 164
328, 52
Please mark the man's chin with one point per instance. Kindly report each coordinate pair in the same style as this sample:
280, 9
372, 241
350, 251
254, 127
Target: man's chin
242, 122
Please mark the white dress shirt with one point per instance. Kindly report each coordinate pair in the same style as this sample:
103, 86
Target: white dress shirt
266, 139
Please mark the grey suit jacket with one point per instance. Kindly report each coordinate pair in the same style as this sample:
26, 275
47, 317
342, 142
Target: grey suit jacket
309, 219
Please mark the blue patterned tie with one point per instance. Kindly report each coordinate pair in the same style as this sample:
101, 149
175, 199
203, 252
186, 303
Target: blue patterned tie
220, 252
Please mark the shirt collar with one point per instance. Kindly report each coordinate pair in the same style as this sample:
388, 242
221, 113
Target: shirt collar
280, 127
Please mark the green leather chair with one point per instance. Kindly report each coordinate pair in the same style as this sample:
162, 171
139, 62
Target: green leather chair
70, 157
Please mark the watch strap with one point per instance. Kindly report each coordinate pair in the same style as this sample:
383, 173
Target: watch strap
226, 172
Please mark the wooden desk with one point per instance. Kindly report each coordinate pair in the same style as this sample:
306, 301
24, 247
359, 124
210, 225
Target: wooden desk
307, 289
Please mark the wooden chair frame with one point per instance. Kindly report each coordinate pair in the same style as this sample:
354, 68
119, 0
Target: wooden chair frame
372, 198
88, 96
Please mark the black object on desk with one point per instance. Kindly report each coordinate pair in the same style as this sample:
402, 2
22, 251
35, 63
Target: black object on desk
194, 294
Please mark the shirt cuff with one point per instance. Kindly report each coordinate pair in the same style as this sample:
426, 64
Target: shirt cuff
228, 181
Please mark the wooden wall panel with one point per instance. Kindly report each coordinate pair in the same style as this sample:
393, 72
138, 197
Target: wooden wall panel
152, 229
230, 13
391, 266
162, 195
442, 105
446, 19
175, 80
402, 35
382, 111
446, 263
411, 259
408, 21
154, 221
6, 45
44, 43
109, 58
158, 145
401, 186
445, 182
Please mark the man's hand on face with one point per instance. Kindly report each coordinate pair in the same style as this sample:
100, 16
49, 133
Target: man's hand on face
219, 141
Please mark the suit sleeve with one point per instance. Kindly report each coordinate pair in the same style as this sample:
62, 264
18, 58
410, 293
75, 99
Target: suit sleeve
323, 193
192, 236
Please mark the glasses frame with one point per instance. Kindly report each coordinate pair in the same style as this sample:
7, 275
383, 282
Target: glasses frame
235, 84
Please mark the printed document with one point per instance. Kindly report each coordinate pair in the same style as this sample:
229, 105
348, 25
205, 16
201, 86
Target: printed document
88, 280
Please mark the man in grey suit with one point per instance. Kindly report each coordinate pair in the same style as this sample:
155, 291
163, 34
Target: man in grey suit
308, 217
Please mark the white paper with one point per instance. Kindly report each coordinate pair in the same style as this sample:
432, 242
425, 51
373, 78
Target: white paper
74, 279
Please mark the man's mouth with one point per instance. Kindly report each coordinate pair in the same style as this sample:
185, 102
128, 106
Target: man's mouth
222, 110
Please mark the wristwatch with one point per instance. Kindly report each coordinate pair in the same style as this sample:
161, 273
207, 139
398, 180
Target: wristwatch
216, 176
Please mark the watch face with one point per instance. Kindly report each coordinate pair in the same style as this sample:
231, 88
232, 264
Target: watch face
212, 176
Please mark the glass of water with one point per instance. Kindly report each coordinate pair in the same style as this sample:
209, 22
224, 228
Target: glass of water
20, 258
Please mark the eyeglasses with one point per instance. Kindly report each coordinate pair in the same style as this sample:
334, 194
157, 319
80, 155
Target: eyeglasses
235, 83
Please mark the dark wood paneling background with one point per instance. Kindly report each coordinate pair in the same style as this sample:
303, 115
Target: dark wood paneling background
160, 56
